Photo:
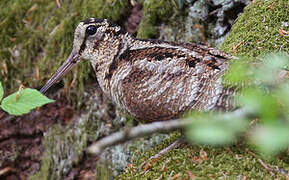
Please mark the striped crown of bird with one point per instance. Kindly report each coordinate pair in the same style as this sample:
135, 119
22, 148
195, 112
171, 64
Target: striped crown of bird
152, 80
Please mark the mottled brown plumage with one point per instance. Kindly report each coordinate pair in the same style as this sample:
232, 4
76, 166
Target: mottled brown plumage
152, 80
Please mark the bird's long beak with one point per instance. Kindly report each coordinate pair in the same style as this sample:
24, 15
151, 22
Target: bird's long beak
62, 70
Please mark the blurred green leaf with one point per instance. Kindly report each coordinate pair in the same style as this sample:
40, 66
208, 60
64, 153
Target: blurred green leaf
1, 91
27, 100
214, 130
264, 104
210, 134
239, 72
282, 94
272, 63
271, 139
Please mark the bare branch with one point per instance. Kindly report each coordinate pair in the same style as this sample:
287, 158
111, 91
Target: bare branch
138, 131
147, 129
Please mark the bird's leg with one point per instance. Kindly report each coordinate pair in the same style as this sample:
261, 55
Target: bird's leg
157, 156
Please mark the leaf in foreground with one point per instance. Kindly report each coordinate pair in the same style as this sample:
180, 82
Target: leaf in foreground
215, 130
27, 100
271, 139
1, 91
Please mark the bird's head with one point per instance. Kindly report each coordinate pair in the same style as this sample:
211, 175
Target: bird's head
87, 37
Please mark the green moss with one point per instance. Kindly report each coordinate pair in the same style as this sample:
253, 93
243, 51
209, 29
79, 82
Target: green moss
155, 12
256, 31
37, 36
171, 20
227, 162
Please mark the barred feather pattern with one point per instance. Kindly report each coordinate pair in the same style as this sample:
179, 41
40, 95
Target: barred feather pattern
227, 99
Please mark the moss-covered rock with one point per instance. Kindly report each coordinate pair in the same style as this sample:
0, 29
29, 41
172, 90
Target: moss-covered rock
64, 147
189, 21
155, 12
259, 29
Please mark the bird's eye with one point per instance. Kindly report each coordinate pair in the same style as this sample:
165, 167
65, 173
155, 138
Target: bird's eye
91, 30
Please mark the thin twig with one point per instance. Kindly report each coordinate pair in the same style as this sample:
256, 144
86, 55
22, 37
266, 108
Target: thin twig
147, 129
174, 145
138, 131
266, 167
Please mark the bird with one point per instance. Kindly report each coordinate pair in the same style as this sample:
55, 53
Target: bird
152, 80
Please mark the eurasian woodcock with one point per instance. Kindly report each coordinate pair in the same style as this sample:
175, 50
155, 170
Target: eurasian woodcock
150, 79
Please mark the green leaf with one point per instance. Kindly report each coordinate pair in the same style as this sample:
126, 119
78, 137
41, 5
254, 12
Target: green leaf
27, 100
215, 130
264, 104
212, 135
271, 139
1, 91
240, 71
272, 63
283, 94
